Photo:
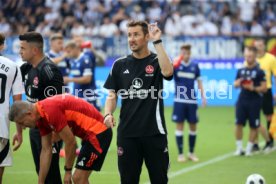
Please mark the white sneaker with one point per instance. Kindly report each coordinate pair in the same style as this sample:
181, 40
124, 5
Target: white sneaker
181, 158
192, 157
248, 154
239, 152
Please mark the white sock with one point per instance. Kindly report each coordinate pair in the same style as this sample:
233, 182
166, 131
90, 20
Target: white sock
239, 144
249, 147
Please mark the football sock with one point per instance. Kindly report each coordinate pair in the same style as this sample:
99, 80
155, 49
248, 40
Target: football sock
269, 134
192, 141
179, 140
239, 144
249, 147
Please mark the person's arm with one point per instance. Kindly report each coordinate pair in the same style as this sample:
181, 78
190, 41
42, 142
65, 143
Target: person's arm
17, 91
262, 88
57, 60
45, 157
201, 89
79, 80
17, 137
110, 106
70, 146
163, 59
238, 80
52, 80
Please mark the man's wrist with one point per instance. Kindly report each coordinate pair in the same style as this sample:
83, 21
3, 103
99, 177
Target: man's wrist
67, 169
157, 41
108, 114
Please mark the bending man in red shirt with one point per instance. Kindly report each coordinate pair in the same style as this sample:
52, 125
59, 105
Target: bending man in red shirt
67, 116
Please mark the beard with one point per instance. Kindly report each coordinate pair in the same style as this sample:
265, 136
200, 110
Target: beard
135, 48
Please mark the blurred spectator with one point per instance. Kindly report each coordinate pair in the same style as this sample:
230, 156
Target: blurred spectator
137, 14
108, 29
154, 12
173, 25
78, 29
4, 26
272, 30
193, 18
246, 10
256, 29
119, 16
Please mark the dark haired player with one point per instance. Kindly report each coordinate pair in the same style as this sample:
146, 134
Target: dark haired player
42, 79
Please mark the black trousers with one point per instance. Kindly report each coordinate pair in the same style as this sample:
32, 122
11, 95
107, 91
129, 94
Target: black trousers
53, 176
133, 151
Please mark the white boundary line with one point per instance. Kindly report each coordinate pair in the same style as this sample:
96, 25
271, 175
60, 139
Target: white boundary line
203, 164
199, 165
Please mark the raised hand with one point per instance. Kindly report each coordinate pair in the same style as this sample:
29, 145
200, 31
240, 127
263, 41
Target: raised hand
154, 32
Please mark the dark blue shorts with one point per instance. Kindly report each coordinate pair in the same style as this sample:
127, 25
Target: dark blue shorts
184, 111
248, 110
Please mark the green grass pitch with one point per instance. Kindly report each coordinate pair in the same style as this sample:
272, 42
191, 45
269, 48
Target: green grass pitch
215, 145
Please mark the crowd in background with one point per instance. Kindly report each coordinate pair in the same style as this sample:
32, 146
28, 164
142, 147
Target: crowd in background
107, 18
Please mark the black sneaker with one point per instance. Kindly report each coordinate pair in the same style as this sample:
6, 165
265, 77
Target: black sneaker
271, 143
255, 148
268, 147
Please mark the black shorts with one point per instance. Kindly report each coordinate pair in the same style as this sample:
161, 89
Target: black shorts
133, 151
248, 110
267, 105
89, 158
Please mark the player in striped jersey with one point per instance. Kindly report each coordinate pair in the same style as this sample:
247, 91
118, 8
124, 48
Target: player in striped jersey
10, 83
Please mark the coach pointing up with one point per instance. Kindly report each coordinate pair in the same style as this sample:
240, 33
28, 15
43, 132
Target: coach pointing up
138, 79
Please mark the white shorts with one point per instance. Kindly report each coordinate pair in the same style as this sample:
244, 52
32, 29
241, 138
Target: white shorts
5, 153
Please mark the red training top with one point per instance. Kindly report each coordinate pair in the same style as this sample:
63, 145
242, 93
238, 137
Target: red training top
84, 120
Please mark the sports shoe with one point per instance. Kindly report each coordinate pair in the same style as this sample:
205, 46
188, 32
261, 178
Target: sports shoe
248, 154
181, 158
268, 147
192, 157
256, 149
239, 152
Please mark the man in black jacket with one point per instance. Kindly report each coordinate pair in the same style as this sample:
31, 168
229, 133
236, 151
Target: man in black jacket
42, 79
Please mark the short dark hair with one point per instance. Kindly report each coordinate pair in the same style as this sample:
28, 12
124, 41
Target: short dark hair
56, 36
143, 24
32, 37
186, 46
252, 49
2, 39
260, 40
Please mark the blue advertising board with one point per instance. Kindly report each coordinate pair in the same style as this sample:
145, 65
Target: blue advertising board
218, 86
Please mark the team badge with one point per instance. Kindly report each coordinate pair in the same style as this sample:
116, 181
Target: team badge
149, 69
